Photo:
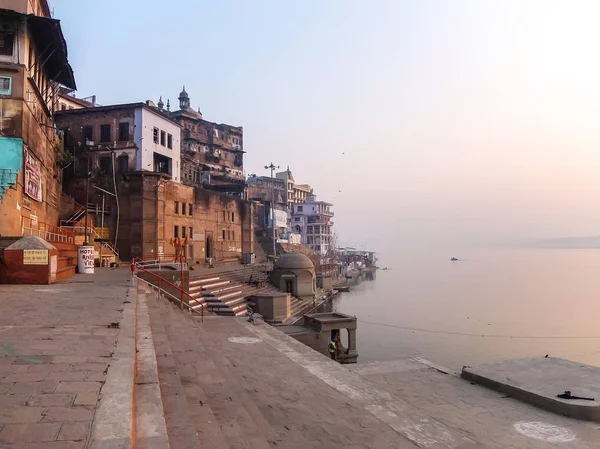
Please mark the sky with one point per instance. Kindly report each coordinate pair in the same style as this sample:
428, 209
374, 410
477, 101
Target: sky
426, 123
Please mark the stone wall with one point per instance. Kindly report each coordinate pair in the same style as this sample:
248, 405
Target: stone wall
152, 211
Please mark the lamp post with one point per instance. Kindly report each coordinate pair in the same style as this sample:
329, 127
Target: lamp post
87, 197
272, 168
104, 192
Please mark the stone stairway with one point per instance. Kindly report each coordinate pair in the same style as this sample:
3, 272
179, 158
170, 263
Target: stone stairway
227, 291
223, 294
67, 260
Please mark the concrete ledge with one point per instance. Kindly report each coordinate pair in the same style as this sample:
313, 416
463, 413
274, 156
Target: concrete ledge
538, 382
113, 423
150, 427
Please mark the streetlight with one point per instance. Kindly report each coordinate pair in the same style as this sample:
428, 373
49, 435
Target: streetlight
104, 192
272, 168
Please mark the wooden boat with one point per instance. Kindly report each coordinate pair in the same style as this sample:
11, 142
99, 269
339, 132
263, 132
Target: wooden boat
342, 289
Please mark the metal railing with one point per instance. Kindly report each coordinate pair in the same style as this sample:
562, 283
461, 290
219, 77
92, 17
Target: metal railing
47, 232
92, 231
161, 291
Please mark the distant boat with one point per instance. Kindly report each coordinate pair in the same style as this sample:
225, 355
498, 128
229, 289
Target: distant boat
342, 289
454, 259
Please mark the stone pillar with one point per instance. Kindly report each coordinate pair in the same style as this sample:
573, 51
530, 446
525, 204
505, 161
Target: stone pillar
351, 341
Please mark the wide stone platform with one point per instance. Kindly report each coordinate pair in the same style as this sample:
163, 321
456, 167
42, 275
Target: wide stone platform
538, 381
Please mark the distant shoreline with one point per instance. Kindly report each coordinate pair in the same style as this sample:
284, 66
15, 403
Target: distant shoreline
566, 243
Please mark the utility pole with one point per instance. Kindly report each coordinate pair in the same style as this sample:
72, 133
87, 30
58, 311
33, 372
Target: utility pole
87, 187
272, 168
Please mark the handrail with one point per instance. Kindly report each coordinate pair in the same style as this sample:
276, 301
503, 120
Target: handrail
135, 265
92, 231
49, 232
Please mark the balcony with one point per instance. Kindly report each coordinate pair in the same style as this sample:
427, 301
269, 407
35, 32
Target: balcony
200, 137
320, 219
221, 143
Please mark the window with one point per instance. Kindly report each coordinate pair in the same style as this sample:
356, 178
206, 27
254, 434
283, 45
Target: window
104, 133
123, 163
232, 217
183, 232
155, 134
88, 134
183, 205
176, 231
309, 229
123, 132
190, 209
232, 235
63, 107
191, 233
228, 235
297, 219
105, 165
309, 240
299, 208
163, 138
7, 41
177, 207
170, 141
5, 85
223, 234
224, 219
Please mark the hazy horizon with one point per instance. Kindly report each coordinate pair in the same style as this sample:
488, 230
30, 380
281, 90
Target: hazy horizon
427, 124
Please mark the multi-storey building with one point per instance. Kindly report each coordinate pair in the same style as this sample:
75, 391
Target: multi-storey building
128, 137
33, 67
212, 153
296, 193
312, 219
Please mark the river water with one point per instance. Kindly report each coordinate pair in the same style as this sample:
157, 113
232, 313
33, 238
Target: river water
488, 306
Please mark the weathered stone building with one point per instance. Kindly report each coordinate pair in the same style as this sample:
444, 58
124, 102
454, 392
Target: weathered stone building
33, 66
134, 151
128, 137
159, 216
212, 154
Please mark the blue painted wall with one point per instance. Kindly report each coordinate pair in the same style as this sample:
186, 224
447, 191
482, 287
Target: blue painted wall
11, 162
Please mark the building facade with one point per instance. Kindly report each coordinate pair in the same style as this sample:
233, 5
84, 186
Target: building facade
119, 139
312, 219
212, 153
296, 193
66, 100
33, 67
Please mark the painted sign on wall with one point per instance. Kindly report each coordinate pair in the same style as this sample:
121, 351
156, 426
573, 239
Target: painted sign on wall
35, 257
33, 175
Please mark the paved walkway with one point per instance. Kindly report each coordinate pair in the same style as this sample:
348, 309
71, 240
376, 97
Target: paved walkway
236, 390
56, 343
481, 414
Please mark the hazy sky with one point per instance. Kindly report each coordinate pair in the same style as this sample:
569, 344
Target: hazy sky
441, 122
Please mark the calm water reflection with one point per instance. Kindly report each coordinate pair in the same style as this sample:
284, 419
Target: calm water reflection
502, 295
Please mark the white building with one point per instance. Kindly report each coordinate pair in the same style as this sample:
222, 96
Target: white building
312, 219
130, 137
158, 139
